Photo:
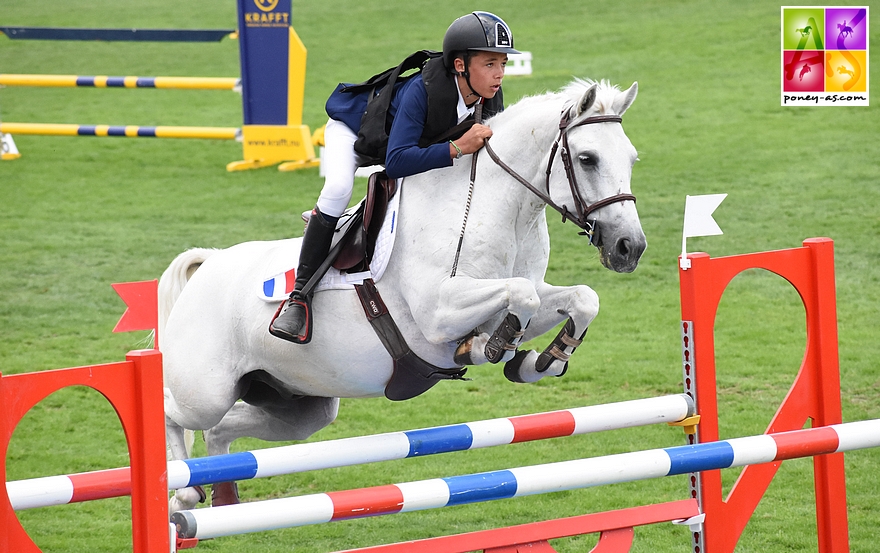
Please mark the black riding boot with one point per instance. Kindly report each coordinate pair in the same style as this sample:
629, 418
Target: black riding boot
293, 322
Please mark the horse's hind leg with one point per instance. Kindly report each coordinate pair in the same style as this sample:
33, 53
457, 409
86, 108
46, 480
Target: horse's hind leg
283, 420
184, 498
202, 411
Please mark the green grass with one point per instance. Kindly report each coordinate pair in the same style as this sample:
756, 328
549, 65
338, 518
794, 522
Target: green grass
79, 214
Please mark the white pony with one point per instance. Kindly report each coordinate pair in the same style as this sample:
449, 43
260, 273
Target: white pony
213, 327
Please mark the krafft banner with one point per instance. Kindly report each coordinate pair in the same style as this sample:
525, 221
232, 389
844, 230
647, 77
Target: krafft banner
264, 38
824, 56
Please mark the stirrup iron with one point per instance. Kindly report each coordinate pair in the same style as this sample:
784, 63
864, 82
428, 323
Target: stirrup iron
302, 335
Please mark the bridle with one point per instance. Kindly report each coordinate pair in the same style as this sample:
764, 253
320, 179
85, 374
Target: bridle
582, 207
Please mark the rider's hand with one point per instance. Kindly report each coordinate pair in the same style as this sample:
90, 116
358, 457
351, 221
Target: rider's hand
474, 139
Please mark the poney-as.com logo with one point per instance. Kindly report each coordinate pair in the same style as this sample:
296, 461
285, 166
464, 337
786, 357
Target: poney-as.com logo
824, 56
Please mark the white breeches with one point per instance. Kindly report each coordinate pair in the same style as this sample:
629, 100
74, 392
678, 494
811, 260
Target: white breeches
340, 161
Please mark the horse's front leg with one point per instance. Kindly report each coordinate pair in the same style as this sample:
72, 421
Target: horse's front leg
465, 303
578, 306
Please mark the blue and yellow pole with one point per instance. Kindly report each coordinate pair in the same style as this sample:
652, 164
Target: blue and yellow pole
104, 81
127, 131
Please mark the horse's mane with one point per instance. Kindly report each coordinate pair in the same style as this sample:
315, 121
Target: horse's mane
571, 93
605, 94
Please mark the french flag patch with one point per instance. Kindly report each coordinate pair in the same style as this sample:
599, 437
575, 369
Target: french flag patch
280, 285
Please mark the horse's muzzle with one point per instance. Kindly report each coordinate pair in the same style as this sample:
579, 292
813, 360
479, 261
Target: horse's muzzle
624, 252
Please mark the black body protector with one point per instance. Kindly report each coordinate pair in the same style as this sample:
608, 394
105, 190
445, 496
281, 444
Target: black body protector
442, 123
442, 119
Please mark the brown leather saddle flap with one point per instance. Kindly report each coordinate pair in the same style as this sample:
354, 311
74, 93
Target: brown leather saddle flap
360, 240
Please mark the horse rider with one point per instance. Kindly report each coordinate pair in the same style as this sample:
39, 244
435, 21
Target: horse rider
425, 108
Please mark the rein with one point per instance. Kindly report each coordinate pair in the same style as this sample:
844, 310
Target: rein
478, 118
583, 208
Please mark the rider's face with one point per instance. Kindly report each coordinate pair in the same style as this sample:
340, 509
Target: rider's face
486, 71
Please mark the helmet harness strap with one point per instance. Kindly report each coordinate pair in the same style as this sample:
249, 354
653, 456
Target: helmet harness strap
467, 75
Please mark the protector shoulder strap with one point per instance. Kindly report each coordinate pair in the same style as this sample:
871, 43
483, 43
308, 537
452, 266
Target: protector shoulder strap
372, 141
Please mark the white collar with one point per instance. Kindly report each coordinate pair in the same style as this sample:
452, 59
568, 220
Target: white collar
462, 109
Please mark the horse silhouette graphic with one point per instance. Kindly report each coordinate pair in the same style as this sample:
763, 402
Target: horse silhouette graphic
804, 70
845, 30
806, 30
844, 70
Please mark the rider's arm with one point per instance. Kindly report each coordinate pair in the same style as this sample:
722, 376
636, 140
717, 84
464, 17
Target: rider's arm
405, 157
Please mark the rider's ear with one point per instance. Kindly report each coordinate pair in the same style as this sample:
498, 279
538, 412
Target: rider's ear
458, 64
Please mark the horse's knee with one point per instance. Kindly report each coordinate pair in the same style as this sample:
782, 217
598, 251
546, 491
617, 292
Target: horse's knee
583, 305
522, 298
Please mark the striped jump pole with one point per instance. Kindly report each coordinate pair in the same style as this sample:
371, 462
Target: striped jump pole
104, 81
122, 35
125, 131
517, 482
60, 490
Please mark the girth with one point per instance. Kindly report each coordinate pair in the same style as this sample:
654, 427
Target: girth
412, 375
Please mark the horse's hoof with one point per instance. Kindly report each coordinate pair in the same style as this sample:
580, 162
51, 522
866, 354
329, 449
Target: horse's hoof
185, 499
224, 493
512, 367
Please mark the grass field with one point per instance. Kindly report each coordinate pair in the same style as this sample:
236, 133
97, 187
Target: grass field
77, 214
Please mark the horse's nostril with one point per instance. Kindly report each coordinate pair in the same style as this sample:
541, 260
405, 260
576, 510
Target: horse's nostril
623, 247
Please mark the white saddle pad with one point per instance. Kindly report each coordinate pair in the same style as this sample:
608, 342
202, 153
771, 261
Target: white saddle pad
281, 275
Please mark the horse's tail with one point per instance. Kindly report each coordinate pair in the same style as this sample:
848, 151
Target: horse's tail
176, 276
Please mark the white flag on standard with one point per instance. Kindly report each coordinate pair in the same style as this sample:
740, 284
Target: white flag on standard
698, 221
698, 211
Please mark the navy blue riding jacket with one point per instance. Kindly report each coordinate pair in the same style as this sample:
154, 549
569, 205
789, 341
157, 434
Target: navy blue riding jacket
409, 112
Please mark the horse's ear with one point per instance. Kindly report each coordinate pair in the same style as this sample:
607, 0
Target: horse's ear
587, 100
625, 99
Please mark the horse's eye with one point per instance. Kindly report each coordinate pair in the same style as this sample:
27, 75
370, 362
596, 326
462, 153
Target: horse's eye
588, 160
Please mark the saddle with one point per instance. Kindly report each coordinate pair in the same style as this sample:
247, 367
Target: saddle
360, 234
352, 253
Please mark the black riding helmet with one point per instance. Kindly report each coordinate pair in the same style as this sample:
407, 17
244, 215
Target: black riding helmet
476, 31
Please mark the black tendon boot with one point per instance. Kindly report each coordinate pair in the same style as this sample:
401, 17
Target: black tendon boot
293, 322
